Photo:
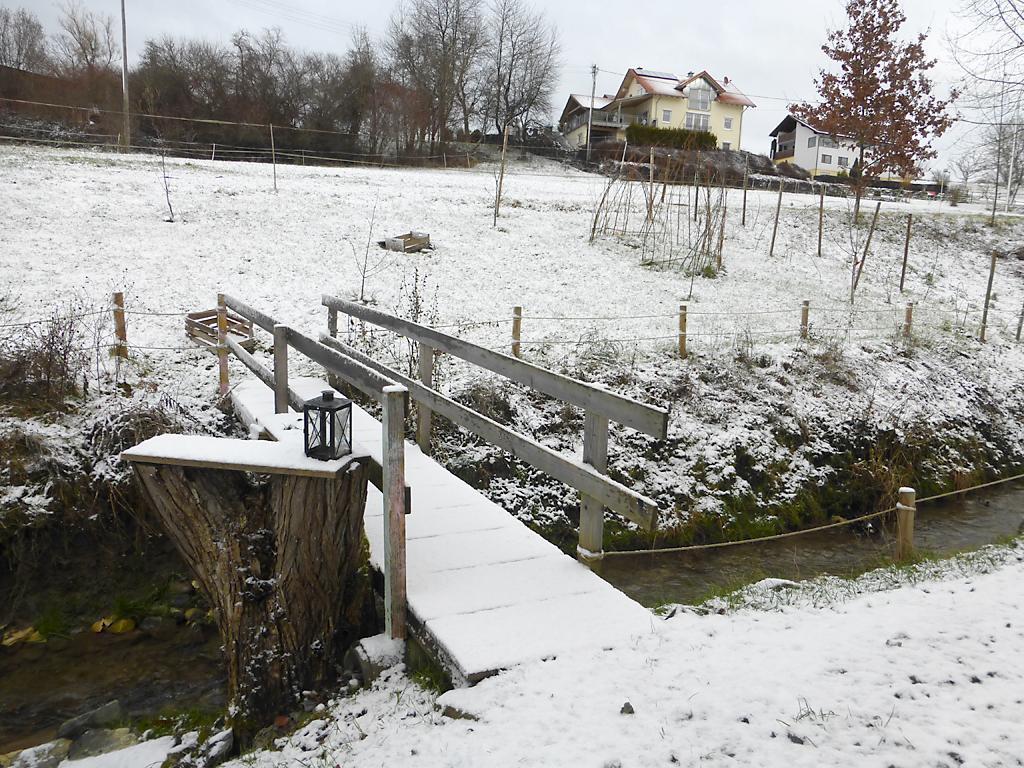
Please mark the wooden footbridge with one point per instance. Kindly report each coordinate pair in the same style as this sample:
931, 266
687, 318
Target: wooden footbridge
469, 581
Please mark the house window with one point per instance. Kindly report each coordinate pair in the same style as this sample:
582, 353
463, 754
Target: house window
812, 141
700, 96
826, 159
666, 115
844, 161
728, 123
697, 122
726, 145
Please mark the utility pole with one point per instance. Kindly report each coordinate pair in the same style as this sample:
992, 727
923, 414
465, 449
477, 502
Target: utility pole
590, 112
126, 130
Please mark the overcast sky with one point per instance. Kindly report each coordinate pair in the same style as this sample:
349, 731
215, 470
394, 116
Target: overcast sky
770, 48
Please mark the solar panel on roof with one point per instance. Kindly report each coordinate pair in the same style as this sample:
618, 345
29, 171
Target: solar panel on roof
651, 73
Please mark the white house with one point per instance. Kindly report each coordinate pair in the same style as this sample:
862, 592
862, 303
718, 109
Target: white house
798, 142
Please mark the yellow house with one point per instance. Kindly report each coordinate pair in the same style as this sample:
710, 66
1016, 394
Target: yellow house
660, 99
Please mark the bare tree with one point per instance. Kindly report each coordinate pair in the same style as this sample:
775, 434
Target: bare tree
86, 44
522, 59
22, 41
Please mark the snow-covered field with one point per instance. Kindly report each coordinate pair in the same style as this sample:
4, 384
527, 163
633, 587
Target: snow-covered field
926, 674
923, 675
756, 412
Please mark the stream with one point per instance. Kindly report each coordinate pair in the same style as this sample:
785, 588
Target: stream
40, 686
966, 521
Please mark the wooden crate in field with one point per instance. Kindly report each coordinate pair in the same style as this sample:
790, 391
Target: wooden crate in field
201, 327
410, 242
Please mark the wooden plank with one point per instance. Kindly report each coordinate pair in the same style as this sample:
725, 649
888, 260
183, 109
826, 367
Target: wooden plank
634, 506
261, 456
595, 453
426, 373
280, 368
262, 373
266, 322
395, 598
632, 413
364, 378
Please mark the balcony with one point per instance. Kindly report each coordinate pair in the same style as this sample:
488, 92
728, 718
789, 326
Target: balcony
601, 120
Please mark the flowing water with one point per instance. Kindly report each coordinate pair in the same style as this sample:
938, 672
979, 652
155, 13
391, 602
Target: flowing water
43, 685
958, 522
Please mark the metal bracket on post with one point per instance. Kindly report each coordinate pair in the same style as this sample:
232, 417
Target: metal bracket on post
595, 453
393, 461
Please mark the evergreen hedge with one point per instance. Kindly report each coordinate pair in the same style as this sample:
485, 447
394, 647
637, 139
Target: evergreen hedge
679, 138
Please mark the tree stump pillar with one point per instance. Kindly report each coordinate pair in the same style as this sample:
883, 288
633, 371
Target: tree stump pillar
276, 562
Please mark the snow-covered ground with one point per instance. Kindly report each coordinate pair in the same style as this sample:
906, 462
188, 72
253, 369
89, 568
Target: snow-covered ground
926, 674
757, 413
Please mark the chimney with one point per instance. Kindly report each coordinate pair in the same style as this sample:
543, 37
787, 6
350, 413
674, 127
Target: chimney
726, 79
689, 74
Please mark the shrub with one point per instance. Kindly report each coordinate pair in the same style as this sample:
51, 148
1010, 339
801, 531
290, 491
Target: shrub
679, 138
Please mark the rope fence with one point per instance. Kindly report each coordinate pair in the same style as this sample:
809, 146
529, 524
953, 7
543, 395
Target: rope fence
818, 528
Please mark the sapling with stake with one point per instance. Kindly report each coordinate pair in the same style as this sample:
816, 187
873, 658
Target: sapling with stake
167, 186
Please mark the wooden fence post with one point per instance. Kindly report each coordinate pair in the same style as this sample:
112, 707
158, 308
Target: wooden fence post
273, 155
906, 251
682, 331
332, 321
280, 369
908, 321
222, 344
423, 413
393, 460
988, 297
650, 196
905, 509
213, 152
805, 316
775, 226
743, 218
444, 159
517, 327
1020, 322
595, 453
821, 218
867, 245
501, 177
120, 327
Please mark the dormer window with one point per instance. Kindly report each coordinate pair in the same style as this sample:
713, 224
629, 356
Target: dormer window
700, 96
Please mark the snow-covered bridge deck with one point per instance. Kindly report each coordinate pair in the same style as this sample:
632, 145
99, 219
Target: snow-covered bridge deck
484, 592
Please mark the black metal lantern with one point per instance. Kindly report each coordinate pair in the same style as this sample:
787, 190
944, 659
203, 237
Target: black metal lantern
327, 426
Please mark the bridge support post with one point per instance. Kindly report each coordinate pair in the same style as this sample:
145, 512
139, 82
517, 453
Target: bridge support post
595, 453
423, 412
393, 461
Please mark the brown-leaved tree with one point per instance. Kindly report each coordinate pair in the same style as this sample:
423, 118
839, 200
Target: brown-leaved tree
881, 98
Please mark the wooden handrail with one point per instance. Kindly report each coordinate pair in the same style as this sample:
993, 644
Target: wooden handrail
640, 509
625, 410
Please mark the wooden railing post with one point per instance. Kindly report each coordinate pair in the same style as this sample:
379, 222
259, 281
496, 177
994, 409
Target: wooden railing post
423, 412
908, 321
595, 453
905, 508
988, 297
120, 327
393, 460
222, 344
332, 322
805, 318
280, 369
682, 331
517, 328
906, 251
